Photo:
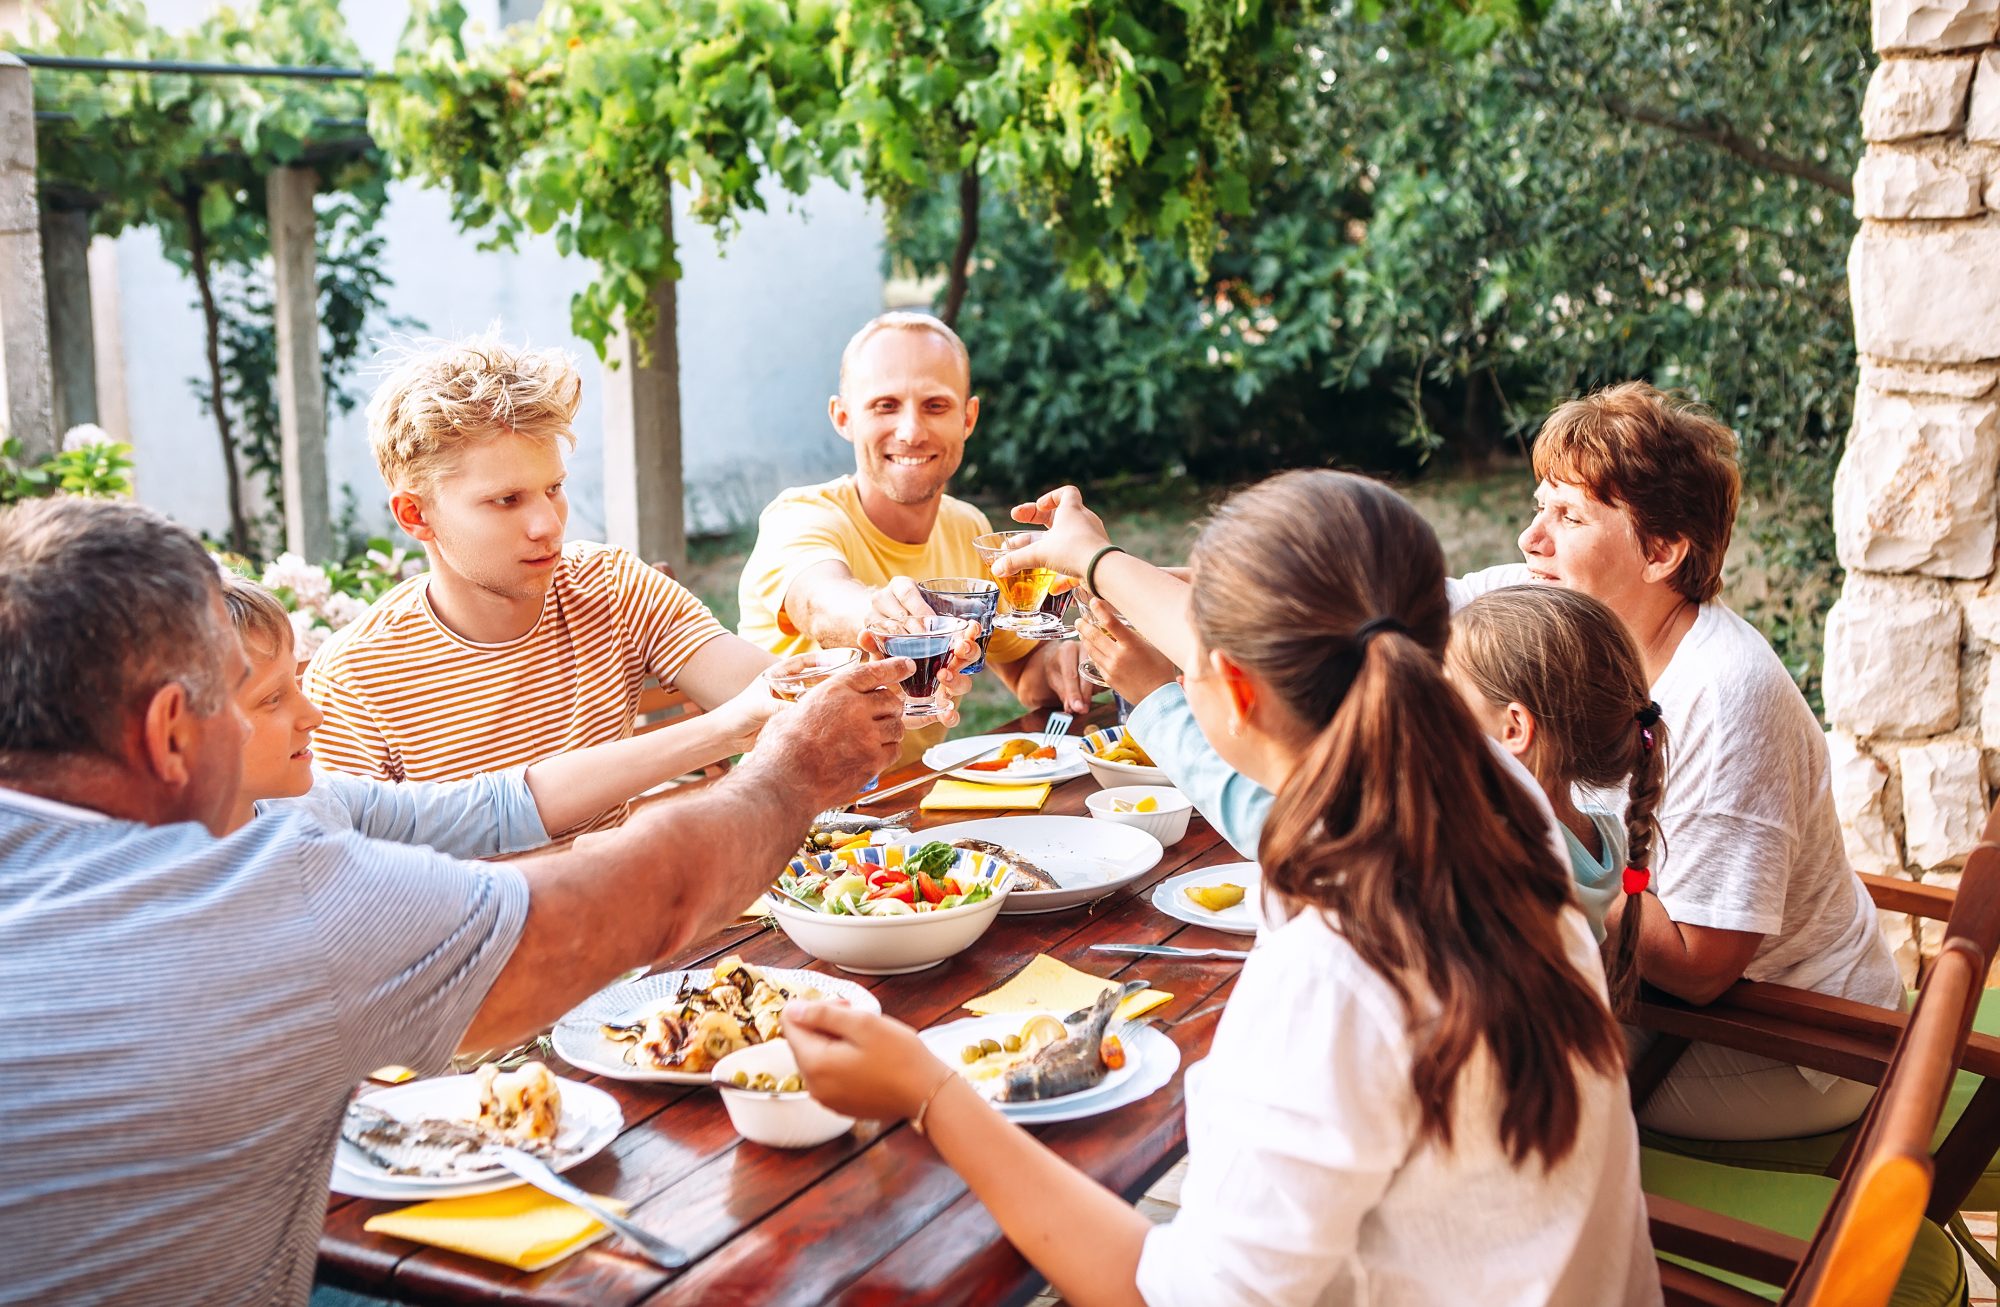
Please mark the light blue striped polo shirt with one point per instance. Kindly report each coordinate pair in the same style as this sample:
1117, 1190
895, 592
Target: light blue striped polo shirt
182, 1020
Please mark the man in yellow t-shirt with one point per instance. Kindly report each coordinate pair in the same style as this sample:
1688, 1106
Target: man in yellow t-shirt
831, 557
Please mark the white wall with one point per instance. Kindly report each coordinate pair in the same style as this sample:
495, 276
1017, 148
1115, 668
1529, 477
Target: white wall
761, 326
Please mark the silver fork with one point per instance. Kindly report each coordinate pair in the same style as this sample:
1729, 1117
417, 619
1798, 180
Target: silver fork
1056, 727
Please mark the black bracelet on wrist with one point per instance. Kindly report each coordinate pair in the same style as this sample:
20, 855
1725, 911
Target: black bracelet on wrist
1090, 568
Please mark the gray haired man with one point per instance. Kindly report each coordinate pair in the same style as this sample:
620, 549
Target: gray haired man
182, 1016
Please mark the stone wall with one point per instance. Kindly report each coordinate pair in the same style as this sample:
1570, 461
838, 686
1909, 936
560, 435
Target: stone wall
1912, 682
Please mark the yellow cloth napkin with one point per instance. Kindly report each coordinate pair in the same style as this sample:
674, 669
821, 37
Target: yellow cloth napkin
522, 1227
948, 793
1047, 985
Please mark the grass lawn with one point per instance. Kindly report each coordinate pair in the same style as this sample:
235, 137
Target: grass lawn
1477, 517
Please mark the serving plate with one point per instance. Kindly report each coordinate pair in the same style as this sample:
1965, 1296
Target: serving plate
1151, 1059
1239, 920
590, 1120
580, 1040
1088, 858
1067, 763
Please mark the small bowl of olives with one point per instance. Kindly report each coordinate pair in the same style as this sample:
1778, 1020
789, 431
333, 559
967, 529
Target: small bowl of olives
767, 1102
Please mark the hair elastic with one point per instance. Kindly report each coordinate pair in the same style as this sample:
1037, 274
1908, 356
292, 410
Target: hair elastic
1647, 717
1636, 880
1375, 626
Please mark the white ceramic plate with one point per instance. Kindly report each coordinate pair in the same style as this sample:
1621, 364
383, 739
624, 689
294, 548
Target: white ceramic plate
1156, 1056
580, 1039
949, 1040
1087, 857
590, 1120
1239, 920
1068, 761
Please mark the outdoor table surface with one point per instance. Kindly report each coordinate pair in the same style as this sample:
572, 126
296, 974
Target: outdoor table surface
874, 1216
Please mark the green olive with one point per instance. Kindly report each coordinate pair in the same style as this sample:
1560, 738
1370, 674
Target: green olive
1011, 1043
791, 1085
970, 1053
741, 1080
989, 1046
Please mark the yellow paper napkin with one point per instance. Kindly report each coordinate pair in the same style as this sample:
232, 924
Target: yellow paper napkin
949, 793
1047, 985
522, 1227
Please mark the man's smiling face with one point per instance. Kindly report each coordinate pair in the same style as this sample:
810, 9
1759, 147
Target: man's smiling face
906, 407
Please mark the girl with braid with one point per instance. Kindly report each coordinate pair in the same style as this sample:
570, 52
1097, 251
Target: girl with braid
1553, 676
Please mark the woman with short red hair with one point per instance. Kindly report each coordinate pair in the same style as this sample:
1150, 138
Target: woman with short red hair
1636, 499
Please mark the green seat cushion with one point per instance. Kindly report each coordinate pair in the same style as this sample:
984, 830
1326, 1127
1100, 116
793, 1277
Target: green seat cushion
1792, 1202
1814, 1153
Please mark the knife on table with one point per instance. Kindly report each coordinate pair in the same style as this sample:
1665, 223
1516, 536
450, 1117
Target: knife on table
1170, 951
538, 1173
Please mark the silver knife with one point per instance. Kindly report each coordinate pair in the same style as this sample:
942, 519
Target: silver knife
1169, 951
876, 797
537, 1173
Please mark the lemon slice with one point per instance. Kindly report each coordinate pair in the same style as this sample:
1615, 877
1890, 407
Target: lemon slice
1147, 804
1042, 1030
1120, 805
1216, 898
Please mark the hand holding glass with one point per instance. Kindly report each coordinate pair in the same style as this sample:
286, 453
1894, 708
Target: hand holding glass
928, 642
790, 678
1021, 591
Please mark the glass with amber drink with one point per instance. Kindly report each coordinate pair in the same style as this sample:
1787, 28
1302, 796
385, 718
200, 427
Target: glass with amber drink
790, 678
1021, 593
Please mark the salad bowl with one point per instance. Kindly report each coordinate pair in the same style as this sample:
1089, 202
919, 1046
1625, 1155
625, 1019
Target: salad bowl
887, 909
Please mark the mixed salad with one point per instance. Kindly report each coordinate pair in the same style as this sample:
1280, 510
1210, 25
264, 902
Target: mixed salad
920, 882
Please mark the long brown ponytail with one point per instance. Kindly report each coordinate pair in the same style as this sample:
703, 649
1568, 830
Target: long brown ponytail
1399, 822
1568, 660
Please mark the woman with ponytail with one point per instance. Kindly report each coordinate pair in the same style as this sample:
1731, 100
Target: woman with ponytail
1554, 677
1416, 1091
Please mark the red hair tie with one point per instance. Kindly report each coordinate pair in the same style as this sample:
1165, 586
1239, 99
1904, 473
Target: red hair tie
1636, 880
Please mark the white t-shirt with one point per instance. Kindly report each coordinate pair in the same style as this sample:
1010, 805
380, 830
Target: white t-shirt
1750, 839
1306, 1183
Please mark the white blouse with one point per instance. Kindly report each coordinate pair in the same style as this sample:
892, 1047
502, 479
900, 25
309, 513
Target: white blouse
1306, 1183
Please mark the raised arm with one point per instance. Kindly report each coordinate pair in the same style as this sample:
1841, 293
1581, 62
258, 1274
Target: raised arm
1152, 599
682, 868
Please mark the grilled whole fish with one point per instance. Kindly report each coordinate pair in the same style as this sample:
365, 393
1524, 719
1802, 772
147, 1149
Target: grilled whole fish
1069, 1065
428, 1147
1041, 879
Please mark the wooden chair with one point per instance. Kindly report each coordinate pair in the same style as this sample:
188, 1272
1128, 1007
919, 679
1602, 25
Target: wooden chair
1859, 1042
1859, 1247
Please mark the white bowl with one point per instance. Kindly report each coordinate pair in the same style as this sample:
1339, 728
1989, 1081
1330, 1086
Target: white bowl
1110, 773
775, 1120
1167, 824
891, 946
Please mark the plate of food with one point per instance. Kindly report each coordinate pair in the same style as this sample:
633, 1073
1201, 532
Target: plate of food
1037, 1068
673, 1027
1008, 759
886, 909
428, 1138
1221, 898
1060, 862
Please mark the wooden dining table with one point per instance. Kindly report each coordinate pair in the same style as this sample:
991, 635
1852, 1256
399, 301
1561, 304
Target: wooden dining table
874, 1216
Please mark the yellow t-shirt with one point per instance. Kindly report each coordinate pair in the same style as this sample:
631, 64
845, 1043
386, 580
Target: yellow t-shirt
810, 525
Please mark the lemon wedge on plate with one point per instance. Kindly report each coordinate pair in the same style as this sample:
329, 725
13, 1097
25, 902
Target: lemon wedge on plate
1216, 898
1041, 1030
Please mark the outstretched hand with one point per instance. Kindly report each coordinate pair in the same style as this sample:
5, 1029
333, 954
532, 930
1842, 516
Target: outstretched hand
1074, 534
861, 1064
1131, 665
846, 729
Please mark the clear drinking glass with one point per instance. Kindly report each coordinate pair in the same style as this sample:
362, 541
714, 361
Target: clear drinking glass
790, 678
928, 642
974, 597
1021, 593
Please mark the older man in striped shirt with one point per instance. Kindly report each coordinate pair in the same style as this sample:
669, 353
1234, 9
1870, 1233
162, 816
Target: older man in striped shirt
182, 1016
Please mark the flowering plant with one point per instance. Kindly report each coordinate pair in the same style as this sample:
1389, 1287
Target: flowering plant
322, 598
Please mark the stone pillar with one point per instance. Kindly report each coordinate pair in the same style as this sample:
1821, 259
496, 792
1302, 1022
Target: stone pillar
72, 338
643, 509
26, 403
301, 388
1912, 685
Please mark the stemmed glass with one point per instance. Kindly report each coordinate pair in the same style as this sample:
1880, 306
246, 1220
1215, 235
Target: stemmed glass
928, 642
1021, 593
974, 597
790, 678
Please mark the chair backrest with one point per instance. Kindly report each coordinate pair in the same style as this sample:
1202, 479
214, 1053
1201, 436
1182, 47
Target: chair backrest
1857, 1254
660, 706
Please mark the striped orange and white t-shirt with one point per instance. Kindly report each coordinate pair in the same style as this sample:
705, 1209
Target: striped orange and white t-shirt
406, 699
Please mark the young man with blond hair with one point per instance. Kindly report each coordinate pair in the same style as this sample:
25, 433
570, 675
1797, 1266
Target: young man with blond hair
830, 557
514, 646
